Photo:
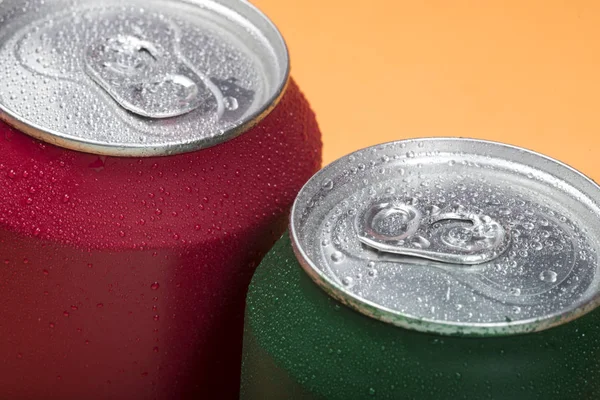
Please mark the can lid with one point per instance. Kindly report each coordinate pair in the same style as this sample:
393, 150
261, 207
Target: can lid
452, 236
138, 77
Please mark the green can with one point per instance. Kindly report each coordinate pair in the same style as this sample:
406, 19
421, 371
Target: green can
431, 269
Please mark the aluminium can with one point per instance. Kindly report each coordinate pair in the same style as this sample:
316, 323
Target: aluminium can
431, 269
150, 153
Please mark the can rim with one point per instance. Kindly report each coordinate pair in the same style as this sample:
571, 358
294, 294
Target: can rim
56, 138
472, 329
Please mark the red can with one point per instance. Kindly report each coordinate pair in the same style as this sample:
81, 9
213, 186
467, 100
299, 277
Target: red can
150, 152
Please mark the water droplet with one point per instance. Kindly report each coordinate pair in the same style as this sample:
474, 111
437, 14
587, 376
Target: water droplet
548, 276
336, 256
528, 225
155, 349
155, 286
516, 309
231, 103
327, 184
451, 163
536, 245
99, 305
515, 291
348, 281
420, 242
523, 253
156, 317
371, 264
410, 154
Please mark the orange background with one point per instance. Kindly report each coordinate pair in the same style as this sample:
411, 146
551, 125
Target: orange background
520, 72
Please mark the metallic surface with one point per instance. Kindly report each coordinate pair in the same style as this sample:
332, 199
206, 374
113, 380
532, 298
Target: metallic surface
546, 277
138, 78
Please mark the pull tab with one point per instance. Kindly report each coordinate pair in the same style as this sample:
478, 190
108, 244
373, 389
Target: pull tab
144, 78
452, 235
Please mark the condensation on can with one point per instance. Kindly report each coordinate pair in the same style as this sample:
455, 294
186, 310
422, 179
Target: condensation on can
302, 344
124, 277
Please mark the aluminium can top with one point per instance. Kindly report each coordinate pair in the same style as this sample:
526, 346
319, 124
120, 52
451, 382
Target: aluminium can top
138, 77
452, 236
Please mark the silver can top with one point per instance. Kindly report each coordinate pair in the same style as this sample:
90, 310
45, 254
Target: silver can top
138, 77
453, 236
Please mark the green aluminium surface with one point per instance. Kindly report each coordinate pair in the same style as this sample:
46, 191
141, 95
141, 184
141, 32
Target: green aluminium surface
300, 343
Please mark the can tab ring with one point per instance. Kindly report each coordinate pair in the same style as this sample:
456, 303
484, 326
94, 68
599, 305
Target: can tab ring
145, 78
451, 235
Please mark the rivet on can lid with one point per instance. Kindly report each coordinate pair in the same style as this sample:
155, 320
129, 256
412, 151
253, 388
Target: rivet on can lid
138, 78
453, 236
